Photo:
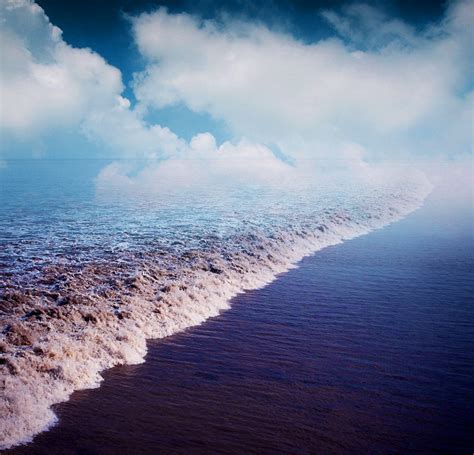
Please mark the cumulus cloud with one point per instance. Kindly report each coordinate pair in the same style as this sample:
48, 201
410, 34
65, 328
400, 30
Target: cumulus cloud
380, 91
47, 86
122, 130
44, 83
203, 164
385, 80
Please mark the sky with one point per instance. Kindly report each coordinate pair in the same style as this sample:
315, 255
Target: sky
272, 88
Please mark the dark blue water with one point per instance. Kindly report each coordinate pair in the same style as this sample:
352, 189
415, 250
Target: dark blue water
367, 347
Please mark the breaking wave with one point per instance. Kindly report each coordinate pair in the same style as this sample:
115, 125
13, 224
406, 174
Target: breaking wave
63, 321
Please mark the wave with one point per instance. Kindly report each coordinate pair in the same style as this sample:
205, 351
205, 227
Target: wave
80, 319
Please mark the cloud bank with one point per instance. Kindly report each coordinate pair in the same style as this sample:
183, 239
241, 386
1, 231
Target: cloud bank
48, 86
384, 80
44, 83
378, 90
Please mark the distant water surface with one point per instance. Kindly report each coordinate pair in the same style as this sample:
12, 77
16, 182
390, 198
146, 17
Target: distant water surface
367, 347
92, 266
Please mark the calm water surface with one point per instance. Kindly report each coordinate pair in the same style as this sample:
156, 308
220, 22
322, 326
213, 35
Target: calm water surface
367, 347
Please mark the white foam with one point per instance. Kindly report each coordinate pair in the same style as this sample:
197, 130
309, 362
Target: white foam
69, 345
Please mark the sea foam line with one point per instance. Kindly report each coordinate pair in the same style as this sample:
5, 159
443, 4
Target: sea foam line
54, 345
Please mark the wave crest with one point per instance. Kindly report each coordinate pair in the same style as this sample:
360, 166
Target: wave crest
74, 320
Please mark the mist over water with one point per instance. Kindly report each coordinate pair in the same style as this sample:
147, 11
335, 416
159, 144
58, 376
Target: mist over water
88, 273
365, 347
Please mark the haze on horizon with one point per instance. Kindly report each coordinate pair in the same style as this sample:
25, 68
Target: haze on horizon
354, 86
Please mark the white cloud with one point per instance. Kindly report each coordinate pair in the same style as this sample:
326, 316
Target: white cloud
44, 83
47, 86
122, 130
369, 28
272, 88
202, 163
328, 100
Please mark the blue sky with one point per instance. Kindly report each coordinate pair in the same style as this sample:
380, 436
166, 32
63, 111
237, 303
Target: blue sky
282, 84
105, 27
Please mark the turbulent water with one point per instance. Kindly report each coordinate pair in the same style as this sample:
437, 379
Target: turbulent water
87, 275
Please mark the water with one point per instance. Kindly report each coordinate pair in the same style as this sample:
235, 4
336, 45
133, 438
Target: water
367, 347
89, 273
